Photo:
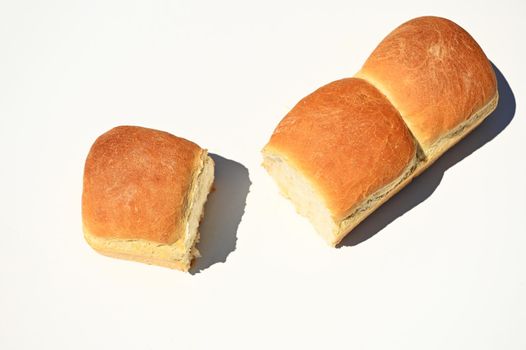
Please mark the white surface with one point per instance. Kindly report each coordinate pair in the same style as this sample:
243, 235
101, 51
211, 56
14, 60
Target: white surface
448, 273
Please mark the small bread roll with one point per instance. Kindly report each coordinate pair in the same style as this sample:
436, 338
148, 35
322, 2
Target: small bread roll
144, 194
437, 77
339, 154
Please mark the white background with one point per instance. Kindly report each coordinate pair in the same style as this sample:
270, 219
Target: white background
441, 266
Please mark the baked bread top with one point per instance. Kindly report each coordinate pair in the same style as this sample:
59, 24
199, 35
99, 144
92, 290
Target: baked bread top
136, 184
434, 73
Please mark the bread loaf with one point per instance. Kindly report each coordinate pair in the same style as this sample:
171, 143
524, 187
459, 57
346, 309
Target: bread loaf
349, 146
143, 196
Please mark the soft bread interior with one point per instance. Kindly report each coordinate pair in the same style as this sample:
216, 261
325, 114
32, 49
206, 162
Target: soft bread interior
179, 254
294, 185
199, 194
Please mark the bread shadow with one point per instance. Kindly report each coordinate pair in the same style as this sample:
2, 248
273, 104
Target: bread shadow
223, 212
425, 184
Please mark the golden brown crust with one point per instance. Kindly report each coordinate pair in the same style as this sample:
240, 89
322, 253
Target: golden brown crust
136, 183
347, 139
434, 73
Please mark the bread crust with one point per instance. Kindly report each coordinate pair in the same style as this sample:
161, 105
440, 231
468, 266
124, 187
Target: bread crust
347, 140
434, 73
136, 184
